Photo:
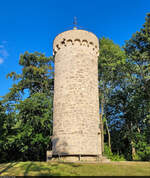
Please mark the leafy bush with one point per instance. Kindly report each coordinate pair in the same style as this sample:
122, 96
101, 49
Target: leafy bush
144, 155
114, 157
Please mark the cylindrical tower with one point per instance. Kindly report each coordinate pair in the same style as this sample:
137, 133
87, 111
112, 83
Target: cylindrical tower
76, 128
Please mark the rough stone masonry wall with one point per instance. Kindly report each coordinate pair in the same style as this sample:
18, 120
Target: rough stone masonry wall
76, 103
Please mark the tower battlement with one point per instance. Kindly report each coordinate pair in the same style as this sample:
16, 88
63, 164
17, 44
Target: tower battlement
73, 38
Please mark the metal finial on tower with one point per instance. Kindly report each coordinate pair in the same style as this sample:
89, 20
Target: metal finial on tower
75, 23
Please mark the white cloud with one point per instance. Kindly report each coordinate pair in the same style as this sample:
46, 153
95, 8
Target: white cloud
1, 60
3, 52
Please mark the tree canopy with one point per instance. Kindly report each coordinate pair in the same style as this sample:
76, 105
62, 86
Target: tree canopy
26, 111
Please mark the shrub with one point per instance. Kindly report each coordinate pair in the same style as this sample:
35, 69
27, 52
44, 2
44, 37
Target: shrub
144, 154
114, 157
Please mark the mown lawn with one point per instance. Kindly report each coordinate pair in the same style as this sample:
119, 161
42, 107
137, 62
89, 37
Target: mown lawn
75, 169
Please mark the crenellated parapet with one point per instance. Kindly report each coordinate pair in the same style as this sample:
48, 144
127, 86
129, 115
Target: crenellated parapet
76, 38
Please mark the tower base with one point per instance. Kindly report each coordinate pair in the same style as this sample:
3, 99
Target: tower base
76, 158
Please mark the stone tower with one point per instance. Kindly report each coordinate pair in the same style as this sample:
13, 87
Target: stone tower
76, 130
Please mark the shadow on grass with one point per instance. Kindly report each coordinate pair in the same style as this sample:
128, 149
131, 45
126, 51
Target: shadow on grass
8, 167
40, 169
27, 169
75, 165
72, 164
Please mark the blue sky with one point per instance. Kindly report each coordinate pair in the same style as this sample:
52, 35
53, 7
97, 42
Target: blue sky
31, 25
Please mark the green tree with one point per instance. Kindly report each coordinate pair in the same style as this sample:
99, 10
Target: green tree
128, 107
36, 76
3, 131
110, 65
138, 52
33, 128
29, 105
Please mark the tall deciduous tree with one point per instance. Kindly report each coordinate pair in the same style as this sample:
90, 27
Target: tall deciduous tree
110, 65
138, 52
30, 100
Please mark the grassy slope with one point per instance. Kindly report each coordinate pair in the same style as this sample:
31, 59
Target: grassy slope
72, 169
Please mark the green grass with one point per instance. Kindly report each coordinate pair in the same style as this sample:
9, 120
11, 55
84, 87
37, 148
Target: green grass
75, 169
